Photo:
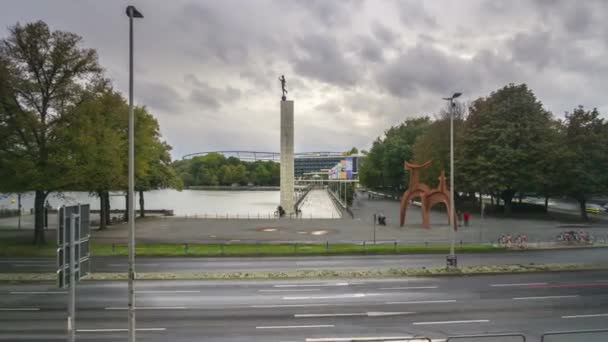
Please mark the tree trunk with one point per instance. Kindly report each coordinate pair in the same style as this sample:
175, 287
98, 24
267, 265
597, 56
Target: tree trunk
126, 217
102, 211
492, 200
39, 217
546, 204
141, 203
106, 203
583, 205
507, 197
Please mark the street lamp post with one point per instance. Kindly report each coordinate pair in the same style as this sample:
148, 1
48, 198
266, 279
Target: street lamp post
132, 12
451, 259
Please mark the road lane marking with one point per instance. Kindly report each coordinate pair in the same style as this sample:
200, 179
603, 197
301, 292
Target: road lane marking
586, 316
168, 291
373, 338
409, 288
521, 284
286, 305
38, 292
120, 330
342, 296
150, 308
295, 326
545, 297
19, 309
292, 290
367, 314
453, 322
425, 302
315, 285
569, 285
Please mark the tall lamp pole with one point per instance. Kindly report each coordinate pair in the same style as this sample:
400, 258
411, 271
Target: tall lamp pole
132, 12
451, 259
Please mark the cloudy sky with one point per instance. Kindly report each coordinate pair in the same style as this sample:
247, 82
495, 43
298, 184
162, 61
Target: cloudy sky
208, 69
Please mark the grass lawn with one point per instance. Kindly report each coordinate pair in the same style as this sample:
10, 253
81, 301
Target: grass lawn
19, 248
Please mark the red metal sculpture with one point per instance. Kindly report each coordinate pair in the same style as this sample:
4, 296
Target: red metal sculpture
428, 197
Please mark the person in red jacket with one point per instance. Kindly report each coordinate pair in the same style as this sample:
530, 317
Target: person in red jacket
466, 217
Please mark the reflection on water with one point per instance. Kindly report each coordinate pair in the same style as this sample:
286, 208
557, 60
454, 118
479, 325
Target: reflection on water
186, 202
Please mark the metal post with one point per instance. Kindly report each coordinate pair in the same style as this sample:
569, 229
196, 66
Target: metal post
131, 13
452, 207
483, 207
374, 229
19, 208
72, 285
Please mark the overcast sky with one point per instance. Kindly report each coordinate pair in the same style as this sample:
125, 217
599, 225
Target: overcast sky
208, 69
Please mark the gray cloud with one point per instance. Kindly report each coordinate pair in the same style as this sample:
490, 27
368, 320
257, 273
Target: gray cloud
414, 14
321, 58
159, 96
353, 67
383, 33
424, 68
208, 96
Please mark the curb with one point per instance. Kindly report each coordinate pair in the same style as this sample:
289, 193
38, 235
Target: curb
316, 274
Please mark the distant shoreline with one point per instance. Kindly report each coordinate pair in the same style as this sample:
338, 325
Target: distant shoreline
233, 188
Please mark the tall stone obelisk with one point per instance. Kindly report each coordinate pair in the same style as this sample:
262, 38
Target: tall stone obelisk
287, 169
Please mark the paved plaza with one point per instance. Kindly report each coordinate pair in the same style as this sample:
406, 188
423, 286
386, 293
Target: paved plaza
359, 228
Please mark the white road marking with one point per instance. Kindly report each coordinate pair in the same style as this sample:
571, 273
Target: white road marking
368, 314
315, 285
120, 330
293, 290
545, 297
168, 291
586, 316
425, 302
341, 296
295, 326
370, 338
286, 305
318, 263
150, 308
522, 284
409, 288
38, 292
452, 322
19, 309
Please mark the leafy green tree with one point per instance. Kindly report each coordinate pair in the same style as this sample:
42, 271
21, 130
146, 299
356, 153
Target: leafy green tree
44, 76
585, 159
240, 174
383, 166
98, 140
152, 158
503, 141
434, 145
226, 173
351, 152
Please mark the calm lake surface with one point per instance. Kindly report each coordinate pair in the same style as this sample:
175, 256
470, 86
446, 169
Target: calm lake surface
185, 202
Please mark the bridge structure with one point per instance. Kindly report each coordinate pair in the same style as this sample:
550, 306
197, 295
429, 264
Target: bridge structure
264, 156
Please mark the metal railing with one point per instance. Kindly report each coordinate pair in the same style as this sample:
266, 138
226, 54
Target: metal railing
604, 332
486, 336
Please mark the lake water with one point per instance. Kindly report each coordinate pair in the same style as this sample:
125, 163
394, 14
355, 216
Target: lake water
185, 202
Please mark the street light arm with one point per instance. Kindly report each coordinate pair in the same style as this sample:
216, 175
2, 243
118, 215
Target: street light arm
132, 12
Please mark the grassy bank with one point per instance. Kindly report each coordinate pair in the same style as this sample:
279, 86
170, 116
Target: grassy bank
18, 248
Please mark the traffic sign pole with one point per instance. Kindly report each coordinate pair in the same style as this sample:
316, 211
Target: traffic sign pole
72, 285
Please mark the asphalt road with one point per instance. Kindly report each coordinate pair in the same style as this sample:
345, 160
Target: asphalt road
315, 310
152, 264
